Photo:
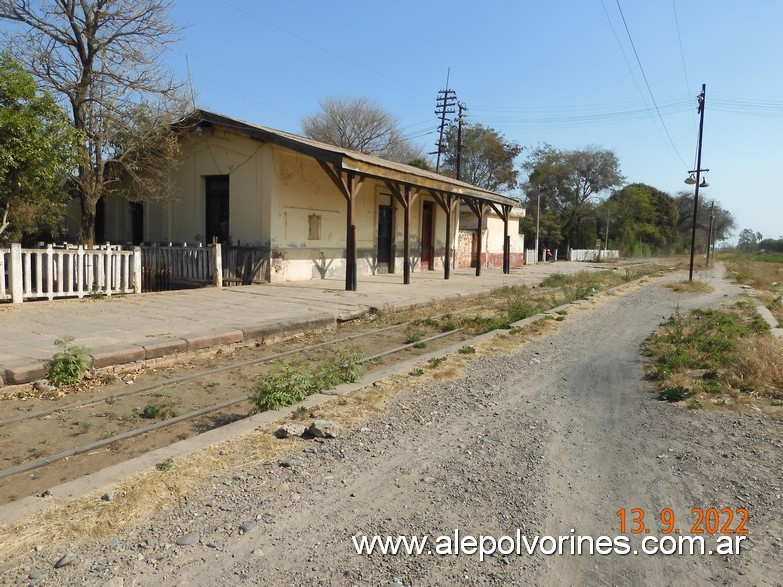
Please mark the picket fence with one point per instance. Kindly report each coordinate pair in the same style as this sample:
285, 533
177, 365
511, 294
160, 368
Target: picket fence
67, 271
592, 254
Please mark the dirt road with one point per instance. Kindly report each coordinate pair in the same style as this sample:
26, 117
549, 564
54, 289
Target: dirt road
552, 440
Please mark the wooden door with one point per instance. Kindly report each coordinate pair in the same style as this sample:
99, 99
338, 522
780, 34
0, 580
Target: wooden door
217, 208
427, 232
384, 238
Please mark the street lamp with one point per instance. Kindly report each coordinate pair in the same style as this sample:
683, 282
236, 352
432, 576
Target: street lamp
695, 175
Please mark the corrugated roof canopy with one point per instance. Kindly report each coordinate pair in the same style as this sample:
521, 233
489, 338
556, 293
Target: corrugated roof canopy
351, 160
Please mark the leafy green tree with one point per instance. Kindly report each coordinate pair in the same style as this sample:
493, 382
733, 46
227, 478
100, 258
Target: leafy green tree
570, 182
771, 244
748, 241
38, 150
639, 213
102, 58
487, 159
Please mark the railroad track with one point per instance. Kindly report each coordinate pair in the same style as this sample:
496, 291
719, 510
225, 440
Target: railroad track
388, 338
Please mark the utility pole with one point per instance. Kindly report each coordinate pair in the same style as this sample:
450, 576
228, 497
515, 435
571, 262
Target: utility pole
445, 103
709, 234
462, 108
692, 180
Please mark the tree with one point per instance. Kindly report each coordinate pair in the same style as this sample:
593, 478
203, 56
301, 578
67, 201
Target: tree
103, 58
771, 244
359, 125
38, 150
640, 213
723, 223
748, 241
569, 182
487, 158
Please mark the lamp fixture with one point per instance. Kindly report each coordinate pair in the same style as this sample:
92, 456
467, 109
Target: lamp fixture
691, 179
703, 183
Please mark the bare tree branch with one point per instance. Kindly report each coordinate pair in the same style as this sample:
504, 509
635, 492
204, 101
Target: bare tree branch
103, 58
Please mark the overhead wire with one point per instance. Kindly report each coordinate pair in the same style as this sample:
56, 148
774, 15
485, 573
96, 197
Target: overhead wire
682, 58
647, 83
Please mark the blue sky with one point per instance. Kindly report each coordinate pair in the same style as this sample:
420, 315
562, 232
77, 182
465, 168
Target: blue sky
539, 71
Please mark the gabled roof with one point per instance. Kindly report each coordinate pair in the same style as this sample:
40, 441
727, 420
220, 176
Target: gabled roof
349, 160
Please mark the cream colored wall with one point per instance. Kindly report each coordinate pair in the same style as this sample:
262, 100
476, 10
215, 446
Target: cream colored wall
300, 188
494, 235
216, 152
272, 193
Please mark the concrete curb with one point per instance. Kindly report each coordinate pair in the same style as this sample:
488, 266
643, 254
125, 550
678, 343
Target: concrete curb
117, 355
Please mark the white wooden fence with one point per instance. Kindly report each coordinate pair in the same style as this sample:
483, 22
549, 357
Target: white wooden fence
592, 254
27, 274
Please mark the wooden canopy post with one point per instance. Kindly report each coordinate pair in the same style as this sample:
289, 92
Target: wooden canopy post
349, 185
406, 198
479, 207
448, 202
504, 211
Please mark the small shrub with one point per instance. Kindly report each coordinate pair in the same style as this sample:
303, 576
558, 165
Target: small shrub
467, 350
286, 383
85, 426
290, 382
159, 410
711, 386
435, 361
720, 402
69, 365
416, 372
695, 405
675, 394
448, 324
165, 465
412, 334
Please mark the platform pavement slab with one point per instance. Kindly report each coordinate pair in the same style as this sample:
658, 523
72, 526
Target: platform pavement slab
121, 329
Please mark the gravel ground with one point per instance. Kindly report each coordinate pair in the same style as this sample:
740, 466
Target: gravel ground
558, 436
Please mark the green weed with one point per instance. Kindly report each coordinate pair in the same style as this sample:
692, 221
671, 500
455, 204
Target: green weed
675, 394
435, 361
159, 410
165, 465
69, 365
290, 382
412, 334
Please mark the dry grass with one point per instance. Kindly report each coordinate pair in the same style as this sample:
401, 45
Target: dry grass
764, 273
685, 286
136, 498
758, 366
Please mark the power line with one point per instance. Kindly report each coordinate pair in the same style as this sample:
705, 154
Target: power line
633, 76
647, 83
682, 57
